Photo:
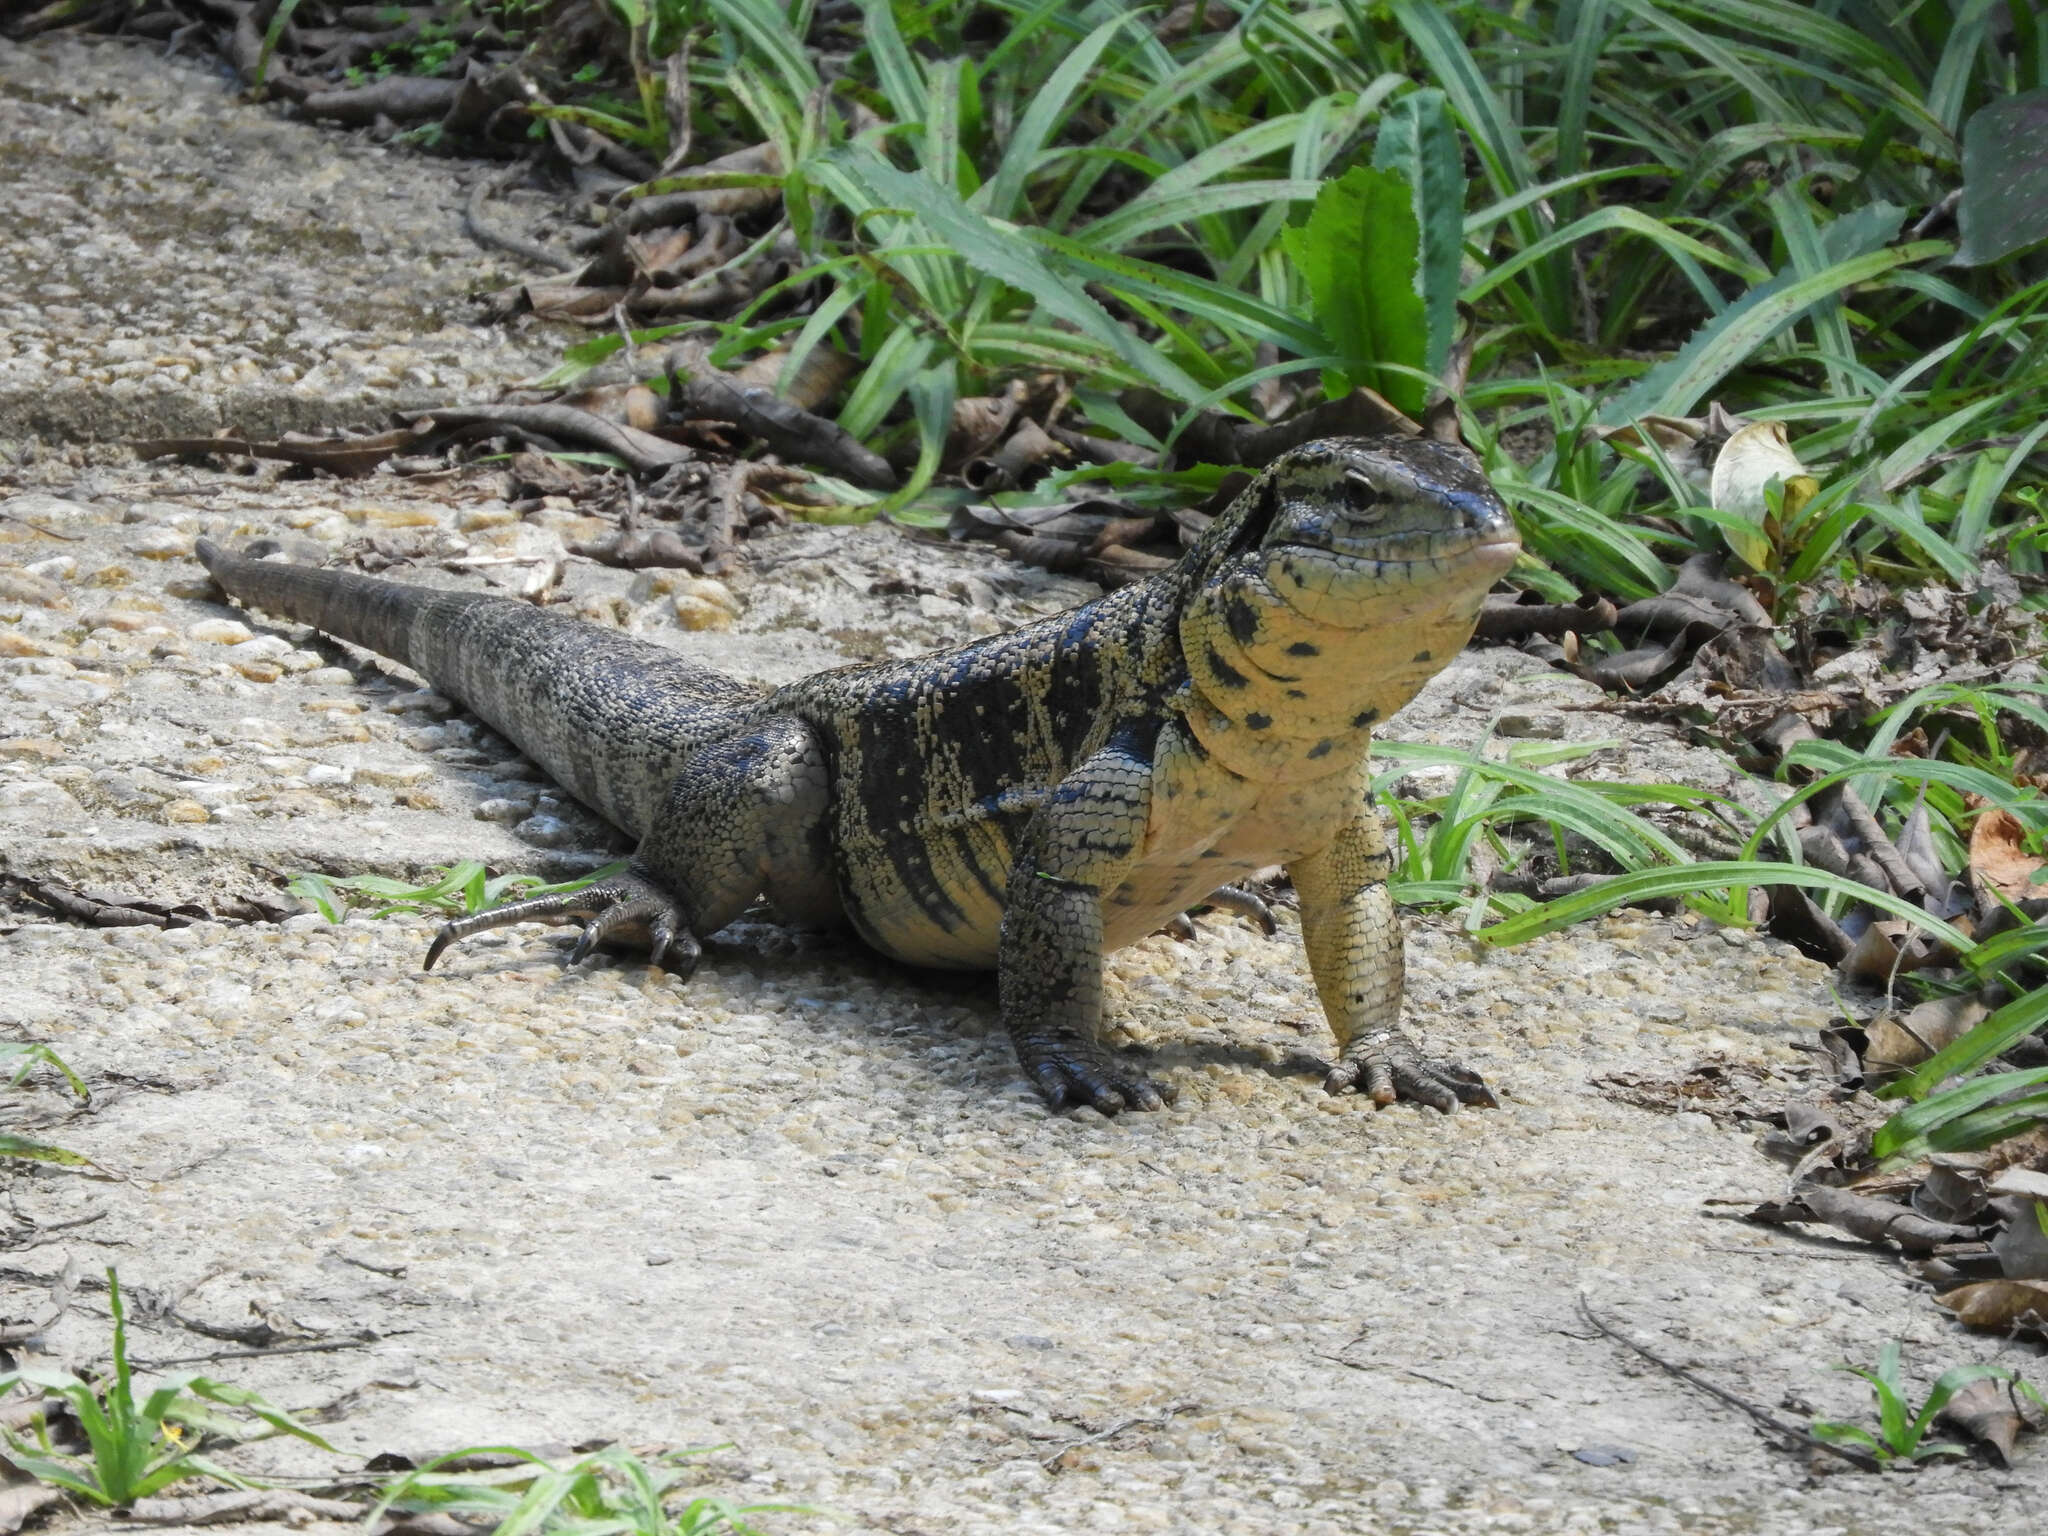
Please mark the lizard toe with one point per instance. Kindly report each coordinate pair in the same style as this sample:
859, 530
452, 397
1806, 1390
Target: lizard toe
608, 909
1073, 1074
1386, 1066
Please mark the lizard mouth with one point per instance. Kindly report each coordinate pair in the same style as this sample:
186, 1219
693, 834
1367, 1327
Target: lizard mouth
1404, 556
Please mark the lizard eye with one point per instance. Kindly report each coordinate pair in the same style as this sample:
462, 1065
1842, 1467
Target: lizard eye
1361, 496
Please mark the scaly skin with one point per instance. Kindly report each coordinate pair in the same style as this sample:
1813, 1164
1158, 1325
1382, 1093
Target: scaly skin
1031, 800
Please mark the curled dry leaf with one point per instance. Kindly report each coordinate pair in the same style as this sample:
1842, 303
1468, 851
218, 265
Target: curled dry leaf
22, 1500
1899, 1042
1998, 856
2007, 1305
1691, 444
1988, 1412
1754, 455
630, 405
1519, 616
1754, 458
1863, 1217
1953, 1189
2022, 1248
818, 378
1016, 463
978, 422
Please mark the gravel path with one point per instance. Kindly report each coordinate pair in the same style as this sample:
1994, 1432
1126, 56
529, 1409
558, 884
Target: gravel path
805, 1203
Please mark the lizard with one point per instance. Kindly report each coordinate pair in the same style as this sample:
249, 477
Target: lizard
1030, 800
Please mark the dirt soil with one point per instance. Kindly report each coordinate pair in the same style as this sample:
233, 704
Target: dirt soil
804, 1203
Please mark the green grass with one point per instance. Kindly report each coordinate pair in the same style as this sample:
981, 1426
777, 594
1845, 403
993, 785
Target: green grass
458, 891
27, 1056
1901, 1435
1667, 203
612, 1492
136, 1447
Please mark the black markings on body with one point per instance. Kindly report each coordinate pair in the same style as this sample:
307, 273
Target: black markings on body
1364, 718
1422, 656
1241, 619
1257, 721
1304, 648
1226, 674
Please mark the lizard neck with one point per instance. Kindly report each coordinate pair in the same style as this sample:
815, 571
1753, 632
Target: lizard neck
1294, 654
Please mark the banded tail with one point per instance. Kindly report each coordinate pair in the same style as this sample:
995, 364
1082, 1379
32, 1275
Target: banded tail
610, 717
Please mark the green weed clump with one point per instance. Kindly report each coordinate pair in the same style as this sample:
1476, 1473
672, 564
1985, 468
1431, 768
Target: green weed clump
135, 1448
1901, 1435
612, 1492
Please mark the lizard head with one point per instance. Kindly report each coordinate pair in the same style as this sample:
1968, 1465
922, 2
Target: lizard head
1361, 529
1343, 579
1396, 499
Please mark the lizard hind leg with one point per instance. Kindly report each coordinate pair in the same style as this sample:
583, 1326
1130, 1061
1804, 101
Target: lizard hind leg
628, 900
744, 815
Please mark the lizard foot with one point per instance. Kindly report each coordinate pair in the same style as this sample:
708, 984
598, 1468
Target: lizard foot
1245, 902
1386, 1064
626, 900
1240, 899
1070, 1072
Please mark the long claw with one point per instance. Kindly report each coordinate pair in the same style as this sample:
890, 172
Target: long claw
1069, 1072
1385, 1065
624, 901
1245, 902
1240, 899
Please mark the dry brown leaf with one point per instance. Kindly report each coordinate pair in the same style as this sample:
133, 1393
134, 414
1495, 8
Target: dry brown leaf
2001, 1304
2022, 1248
21, 1500
1987, 1411
1998, 856
1902, 1041
821, 375
1861, 1216
630, 405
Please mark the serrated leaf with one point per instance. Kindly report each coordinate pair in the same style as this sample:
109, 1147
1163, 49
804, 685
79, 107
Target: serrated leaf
1360, 253
1419, 142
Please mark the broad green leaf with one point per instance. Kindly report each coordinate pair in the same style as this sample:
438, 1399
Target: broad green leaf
2004, 207
1417, 141
1360, 253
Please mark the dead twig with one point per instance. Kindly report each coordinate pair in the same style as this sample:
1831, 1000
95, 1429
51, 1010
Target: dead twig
1763, 1416
713, 395
239, 1506
326, 1348
492, 238
1155, 1421
61, 1292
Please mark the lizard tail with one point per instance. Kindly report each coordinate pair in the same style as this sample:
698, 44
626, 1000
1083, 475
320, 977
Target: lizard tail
359, 609
610, 716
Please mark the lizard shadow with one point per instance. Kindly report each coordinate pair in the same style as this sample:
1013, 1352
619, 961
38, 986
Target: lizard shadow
947, 1021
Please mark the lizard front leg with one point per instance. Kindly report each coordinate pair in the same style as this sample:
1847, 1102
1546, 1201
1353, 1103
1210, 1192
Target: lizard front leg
1049, 959
1353, 937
